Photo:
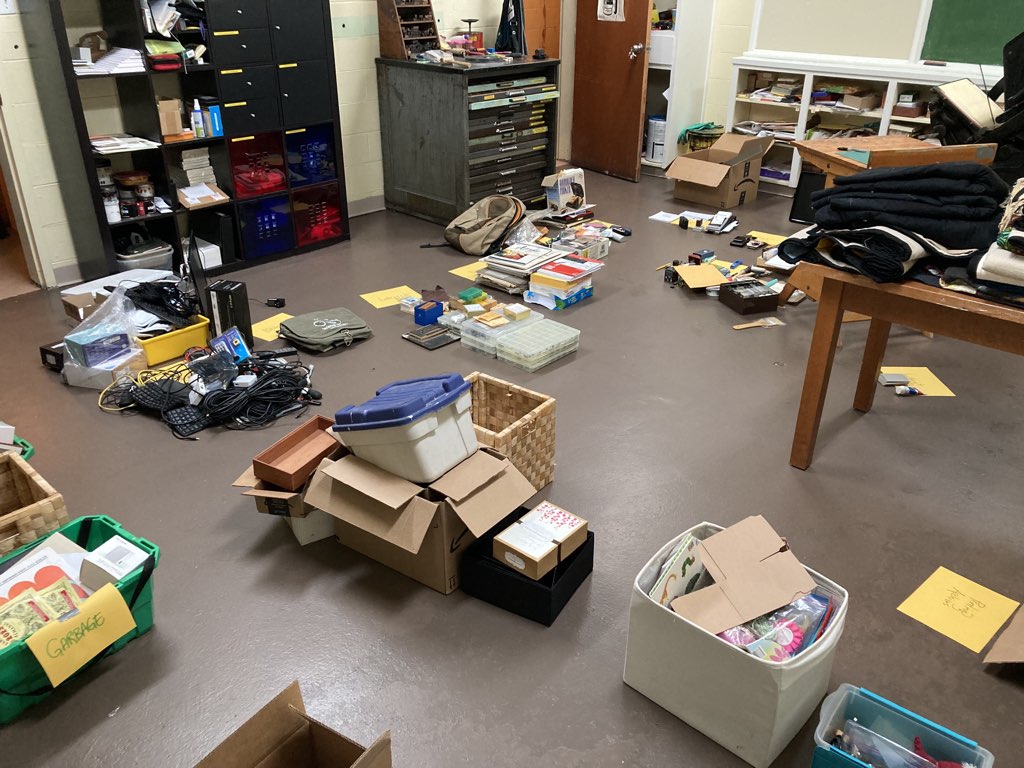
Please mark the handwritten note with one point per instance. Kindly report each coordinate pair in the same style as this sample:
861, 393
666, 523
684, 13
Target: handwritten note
389, 297
64, 646
959, 608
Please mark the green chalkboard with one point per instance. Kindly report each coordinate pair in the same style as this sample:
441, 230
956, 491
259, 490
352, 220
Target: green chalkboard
972, 31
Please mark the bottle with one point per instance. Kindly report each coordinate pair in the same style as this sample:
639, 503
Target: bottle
198, 129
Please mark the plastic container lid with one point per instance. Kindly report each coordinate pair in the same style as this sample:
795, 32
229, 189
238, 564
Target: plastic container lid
402, 402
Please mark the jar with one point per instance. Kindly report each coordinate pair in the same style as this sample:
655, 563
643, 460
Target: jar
111, 207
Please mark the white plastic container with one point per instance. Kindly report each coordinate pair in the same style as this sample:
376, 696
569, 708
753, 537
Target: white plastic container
538, 344
750, 706
416, 429
483, 338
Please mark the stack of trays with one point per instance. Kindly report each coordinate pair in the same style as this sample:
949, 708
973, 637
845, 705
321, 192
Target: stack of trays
537, 345
483, 338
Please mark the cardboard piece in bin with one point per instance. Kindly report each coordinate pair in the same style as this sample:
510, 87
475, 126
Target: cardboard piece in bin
282, 735
754, 571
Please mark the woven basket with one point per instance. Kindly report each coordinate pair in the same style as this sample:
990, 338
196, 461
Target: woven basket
517, 422
29, 506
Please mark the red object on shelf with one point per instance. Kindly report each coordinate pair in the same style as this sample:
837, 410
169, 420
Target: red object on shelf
317, 214
257, 164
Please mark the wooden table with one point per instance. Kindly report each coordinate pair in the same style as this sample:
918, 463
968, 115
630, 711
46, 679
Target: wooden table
920, 306
886, 152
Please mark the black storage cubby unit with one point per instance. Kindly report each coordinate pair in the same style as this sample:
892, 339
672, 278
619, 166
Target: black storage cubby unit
270, 65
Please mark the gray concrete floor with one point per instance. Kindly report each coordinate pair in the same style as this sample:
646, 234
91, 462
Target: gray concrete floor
666, 417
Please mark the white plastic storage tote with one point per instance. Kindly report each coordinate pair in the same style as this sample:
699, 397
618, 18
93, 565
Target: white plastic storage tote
417, 429
751, 707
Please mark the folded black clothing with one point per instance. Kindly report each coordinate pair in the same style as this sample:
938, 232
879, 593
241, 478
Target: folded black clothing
958, 173
990, 211
950, 233
882, 253
826, 196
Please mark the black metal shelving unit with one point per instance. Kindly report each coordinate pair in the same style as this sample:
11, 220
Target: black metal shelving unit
270, 65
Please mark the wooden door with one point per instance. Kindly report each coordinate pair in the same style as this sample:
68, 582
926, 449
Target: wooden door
610, 87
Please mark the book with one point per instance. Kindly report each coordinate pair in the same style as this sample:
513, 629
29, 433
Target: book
522, 259
570, 267
680, 573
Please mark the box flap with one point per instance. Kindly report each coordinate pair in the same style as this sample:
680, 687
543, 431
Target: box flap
754, 573
372, 481
739, 149
266, 493
1009, 646
404, 527
492, 501
247, 479
695, 171
262, 734
460, 481
549, 181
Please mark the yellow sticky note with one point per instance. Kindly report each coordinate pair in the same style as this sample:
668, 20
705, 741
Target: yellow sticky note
267, 329
767, 237
64, 647
922, 379
959, 608
468, 271
389, 297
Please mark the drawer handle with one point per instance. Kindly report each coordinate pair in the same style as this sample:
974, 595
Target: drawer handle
277, 27
517, 93
285, 95
504, 190
244, 45
239, 11
505, 129
252, 114
508, 173
508, 148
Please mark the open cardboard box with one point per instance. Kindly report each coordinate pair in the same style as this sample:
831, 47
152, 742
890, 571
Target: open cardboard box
725, 175
307, 524
282, 735
419, 531
290, 461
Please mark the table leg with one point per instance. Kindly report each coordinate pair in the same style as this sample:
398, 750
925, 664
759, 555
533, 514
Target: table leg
787, 290
874, 351
819, 368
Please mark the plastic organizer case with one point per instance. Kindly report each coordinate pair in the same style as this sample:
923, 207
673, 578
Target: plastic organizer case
538, 344
22, 681
483, 338
310, 154
884, 733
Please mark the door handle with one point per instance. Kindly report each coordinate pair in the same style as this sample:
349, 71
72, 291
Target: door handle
635, 50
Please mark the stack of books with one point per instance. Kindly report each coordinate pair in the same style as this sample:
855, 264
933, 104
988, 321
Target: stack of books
787, 86
510, 268
563, 282
117, 61
195, 168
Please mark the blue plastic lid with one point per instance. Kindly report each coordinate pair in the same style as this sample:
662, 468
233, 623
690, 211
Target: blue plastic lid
402, 402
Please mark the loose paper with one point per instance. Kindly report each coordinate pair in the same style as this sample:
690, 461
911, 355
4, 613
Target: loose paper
700, 275
389, 297
922, 379
468, 271
611, 10
959, 608
768, 238
1009, 646
64, 646
267, 329
665, 216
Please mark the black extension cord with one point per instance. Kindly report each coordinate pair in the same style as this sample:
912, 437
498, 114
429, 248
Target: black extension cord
278, 390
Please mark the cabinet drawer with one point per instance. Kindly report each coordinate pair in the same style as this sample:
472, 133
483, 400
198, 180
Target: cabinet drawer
505, 85
236, 14
526, 94
305, 92
297, 27
506, 127
481, 166
250, 116
246, 83
519, 170
506, 139
506, 186
497, 116
526, 192
510, 150
232, 47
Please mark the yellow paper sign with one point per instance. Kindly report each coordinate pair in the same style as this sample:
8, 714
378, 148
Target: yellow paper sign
389, 296
63, 647
922, 379
767, 237
959, 608
468, 271
267, 329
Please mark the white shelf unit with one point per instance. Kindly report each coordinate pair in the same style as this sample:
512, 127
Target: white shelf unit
889, 77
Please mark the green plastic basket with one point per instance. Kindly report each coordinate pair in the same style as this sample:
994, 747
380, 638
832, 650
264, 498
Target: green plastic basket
22, 681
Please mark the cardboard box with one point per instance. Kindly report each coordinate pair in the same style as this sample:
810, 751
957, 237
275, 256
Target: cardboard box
102, 375
290, 461
80, 305
565, 190
92, 346
421, 532
750, 706
169, 111
306, 523
540, 540
910, 109
282, 735
725, 175
748, 298
202, 201
539, 600
863, 100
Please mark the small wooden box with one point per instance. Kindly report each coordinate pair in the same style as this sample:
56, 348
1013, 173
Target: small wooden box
290, 461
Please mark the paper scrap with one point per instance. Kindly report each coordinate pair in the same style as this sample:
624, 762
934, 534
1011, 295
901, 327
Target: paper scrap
767, 237
64, 646
1009, 646
959, 608
922, 379
468, 271
389, 297
665, 216
764, 322
700, 275
267, 329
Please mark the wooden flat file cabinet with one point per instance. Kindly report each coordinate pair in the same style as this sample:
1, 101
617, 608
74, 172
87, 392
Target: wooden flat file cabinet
451, 137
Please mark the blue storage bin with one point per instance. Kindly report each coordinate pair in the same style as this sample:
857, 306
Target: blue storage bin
891, 721
402, 402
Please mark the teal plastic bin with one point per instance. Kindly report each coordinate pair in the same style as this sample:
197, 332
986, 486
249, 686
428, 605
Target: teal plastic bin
891, 721
22, 681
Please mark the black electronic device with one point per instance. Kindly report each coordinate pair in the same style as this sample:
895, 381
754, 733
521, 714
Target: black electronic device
52, 355
161, 395
739, 241
229, 308
186, 420
431, 336
197, 275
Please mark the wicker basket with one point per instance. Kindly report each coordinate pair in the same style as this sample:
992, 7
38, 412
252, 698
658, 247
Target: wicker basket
517, 422
29, 506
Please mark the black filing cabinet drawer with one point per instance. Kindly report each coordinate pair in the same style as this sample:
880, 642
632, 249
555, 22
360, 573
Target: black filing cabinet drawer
236, 14
244, 83
249, 116
297, 27
305, 92
233, 47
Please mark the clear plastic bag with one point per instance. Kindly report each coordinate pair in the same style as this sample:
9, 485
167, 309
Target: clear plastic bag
523, 232
783, 633
106, 334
